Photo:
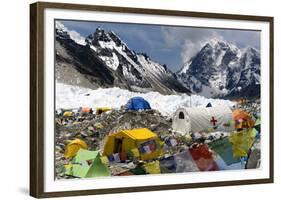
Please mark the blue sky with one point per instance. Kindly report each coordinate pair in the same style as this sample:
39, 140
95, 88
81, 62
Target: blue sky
168, 45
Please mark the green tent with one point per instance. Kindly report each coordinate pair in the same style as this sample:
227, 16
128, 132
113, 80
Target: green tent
87, 164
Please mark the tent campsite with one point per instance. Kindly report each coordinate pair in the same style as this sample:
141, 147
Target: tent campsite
141, 141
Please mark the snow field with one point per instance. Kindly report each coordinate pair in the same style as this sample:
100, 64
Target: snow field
68, 97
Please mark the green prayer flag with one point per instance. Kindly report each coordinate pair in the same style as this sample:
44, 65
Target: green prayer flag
224, 149
258, 122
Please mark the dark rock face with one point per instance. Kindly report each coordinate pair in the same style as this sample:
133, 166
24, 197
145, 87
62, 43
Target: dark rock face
106, 61
83, 59
220, 69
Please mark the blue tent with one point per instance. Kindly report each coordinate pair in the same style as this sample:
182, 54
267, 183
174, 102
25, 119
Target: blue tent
137, 103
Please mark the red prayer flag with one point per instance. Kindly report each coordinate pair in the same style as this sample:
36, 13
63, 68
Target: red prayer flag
203, 158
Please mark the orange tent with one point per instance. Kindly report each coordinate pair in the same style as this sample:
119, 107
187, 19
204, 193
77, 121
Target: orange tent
87, 110
242, 119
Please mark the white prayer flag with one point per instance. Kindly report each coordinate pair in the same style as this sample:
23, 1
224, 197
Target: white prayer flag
173, 142
147, 149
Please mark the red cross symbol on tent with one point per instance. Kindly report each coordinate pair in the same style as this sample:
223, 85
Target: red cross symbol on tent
213, 121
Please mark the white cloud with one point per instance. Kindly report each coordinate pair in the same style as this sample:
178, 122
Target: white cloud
77, 37
189, 49
191, 39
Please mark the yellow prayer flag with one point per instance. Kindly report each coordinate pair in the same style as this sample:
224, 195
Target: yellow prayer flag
104, 160
152, 167
242, 141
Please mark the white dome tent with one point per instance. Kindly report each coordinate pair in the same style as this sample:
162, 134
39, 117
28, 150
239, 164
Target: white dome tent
196, 119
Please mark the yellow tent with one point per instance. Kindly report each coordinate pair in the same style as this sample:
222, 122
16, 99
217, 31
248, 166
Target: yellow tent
68, 114
101, 110
142, 139
73, 147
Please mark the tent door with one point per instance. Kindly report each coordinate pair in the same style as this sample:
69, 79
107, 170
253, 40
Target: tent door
118, 145
181, 115
182, 123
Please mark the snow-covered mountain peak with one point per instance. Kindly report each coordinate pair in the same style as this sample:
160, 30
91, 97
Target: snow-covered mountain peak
218, 43
116, 38
104, 39
60, 26
97, 37
64, 32
185, 67
213, 42
107, 60
250, 51
217, 70
251, 58
219, 67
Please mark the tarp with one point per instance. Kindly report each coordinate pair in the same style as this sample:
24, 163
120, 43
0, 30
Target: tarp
87, 164
137, 103
186, 120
